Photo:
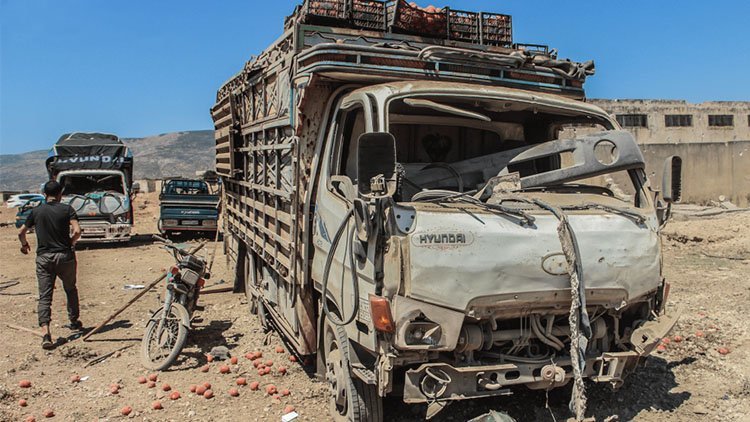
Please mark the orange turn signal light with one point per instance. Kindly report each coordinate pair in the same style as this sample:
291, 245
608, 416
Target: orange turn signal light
381, 314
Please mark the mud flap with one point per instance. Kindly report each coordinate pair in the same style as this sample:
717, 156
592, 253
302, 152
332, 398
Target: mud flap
646, 337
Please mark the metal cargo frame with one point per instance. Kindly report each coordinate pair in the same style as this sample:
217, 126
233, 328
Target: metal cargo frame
259, 113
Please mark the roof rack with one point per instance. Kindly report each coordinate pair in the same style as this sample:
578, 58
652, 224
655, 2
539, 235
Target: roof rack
398, 16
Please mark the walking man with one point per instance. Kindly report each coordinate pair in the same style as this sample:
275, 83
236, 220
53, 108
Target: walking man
55, 256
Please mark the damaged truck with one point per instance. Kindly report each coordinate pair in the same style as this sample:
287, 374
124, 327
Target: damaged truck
96, 173
434, 212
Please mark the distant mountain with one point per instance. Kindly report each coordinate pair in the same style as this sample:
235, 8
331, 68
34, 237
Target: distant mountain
155, 157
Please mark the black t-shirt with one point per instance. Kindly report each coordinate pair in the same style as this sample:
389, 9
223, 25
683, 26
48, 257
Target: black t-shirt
52, 224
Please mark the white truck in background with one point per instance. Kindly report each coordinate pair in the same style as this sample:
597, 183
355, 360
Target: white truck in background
96, 172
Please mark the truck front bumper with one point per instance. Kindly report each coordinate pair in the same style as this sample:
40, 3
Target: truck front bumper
104, 232
433, 382
439, 382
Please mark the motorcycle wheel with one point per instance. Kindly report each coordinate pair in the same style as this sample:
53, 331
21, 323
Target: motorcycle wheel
160, 349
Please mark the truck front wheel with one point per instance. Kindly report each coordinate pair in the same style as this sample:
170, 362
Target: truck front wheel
350, 399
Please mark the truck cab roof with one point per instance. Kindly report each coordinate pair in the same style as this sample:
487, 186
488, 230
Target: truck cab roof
417, 87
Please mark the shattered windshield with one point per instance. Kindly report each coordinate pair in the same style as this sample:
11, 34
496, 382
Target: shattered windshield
454, 144
83, 184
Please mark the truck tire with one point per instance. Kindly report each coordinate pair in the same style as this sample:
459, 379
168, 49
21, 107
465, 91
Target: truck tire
351, 399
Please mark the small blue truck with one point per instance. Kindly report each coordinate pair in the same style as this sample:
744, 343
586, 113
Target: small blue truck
187, 205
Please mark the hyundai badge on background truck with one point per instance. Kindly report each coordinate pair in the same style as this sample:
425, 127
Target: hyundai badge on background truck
435, 212
96, 172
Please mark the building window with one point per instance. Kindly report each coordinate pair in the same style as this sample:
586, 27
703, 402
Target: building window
720, 120
678, 120
632, 120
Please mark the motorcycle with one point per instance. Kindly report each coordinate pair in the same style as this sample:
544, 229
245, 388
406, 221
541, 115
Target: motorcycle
167, 329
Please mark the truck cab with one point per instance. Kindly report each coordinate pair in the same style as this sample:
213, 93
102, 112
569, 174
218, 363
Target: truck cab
187, 205
464, 238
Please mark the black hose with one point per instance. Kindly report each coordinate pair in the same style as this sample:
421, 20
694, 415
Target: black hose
327, 270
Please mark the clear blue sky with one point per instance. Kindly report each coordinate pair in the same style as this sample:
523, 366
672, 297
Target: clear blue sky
141, 67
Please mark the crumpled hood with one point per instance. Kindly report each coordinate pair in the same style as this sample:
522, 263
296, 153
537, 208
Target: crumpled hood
455, 260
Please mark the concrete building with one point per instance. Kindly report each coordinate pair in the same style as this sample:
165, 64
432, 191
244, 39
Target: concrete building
676, 122
713, 139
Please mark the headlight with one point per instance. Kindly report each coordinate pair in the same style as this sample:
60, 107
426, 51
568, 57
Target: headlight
189, 277
423, 334
209, 223
169, 222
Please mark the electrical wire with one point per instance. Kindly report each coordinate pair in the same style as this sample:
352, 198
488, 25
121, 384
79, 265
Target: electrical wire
327, 270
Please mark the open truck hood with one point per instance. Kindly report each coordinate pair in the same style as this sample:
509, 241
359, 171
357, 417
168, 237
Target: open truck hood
99, 205
457, 261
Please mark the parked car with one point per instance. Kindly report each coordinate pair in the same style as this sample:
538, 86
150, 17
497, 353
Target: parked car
19, 200
25, 209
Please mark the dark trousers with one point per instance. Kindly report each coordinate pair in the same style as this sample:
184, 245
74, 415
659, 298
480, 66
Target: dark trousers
49, 266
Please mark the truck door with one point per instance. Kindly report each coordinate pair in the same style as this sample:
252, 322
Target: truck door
337, 189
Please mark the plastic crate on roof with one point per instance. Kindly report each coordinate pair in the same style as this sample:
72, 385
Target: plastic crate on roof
406, 19
463, 26
369, 14
497, 29
326, 11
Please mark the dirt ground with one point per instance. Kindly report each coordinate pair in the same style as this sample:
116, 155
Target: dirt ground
707, 260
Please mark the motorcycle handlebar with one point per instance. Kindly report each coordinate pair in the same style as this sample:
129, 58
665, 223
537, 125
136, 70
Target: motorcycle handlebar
168, 243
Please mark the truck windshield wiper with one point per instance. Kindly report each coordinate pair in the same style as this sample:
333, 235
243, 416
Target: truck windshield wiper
527, 218
640, 219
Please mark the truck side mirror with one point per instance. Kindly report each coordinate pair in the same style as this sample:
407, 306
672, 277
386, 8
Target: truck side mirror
671, 185
376, 165
136, 188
